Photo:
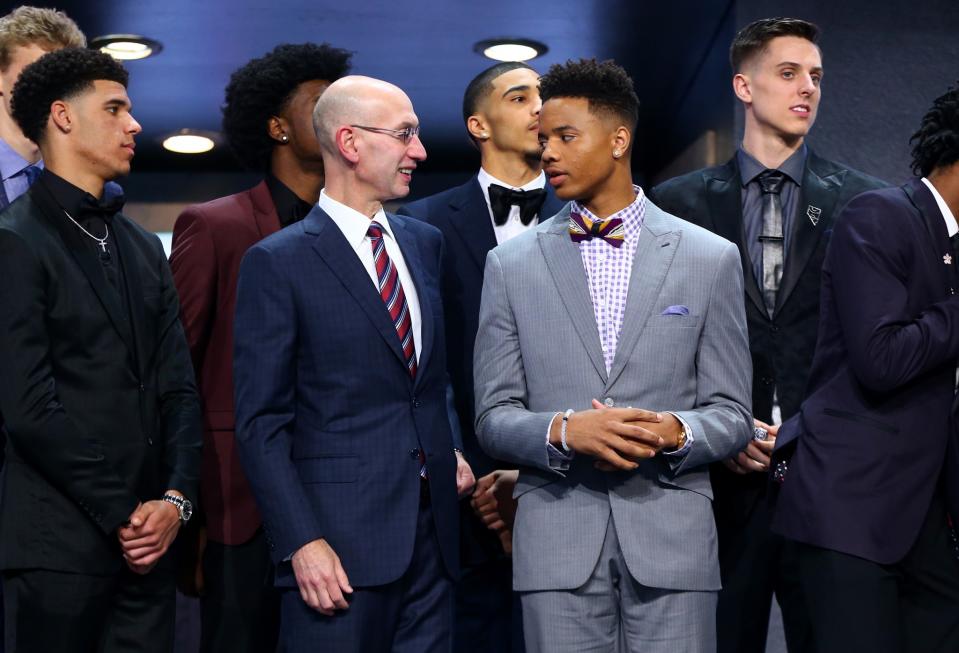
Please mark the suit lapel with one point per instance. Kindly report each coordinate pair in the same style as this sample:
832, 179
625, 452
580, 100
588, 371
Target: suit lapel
86, 258
414, 263
935, 225
469, 217
654, 254
820, 190
566, 267
724, 196
129, 262
331, 245
264, 211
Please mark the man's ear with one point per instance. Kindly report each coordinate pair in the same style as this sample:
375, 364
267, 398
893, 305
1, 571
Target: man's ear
276, 127
742, 87
346, 144
62, 116
622, 139
477, 127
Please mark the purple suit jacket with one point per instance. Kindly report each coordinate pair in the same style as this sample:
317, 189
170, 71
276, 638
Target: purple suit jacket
874, 438
209, 241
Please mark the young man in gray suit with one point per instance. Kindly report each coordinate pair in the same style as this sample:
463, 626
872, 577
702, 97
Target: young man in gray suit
612, 365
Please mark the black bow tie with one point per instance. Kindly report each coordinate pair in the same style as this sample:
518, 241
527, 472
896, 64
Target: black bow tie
104, 208
528, 201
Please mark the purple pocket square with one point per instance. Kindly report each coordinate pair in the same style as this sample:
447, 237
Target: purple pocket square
678, 309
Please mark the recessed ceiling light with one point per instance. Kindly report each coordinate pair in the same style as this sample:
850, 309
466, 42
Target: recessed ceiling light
190, 141
510, 49
126, 46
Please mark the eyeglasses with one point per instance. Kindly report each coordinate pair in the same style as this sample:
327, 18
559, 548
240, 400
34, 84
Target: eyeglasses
405, 135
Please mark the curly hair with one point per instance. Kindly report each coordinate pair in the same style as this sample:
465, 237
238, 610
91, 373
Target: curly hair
752, 39
48, 28
937, 140
605, 85
58, 75
262, 88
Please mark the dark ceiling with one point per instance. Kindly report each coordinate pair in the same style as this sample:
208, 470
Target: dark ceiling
425, 47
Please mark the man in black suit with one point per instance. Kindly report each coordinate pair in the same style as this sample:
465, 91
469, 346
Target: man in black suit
864, 491
507, 197
102, 413
776, 200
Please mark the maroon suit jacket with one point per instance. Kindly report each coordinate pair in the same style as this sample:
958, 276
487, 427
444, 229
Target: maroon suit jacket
209, 241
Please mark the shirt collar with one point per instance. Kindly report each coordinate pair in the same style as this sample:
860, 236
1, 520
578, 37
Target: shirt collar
68, 196
750, 168
289, 207
485, 179
951, 225
631, 215
351, 222
11, 163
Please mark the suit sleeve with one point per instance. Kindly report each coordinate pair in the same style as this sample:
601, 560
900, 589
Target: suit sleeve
194, 266
37, 424
264, 381
179, 402
507, 430
869, 262
721, 422
451, 413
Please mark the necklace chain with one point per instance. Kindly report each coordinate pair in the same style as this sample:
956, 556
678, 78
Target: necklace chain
102, 242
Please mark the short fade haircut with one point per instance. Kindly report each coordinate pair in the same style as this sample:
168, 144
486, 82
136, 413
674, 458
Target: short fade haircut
48, 28
59, 75
754, 37
261, 89
605, 85
937, 140
482, 85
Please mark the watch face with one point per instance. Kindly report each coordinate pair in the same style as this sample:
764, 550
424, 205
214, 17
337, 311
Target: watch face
187, 510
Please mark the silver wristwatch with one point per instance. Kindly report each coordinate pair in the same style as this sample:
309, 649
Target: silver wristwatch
183, 506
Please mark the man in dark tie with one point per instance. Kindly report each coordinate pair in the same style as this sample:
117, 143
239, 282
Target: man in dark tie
103, 417
507, 197
341, 395
268, 121
874, 469
777, 200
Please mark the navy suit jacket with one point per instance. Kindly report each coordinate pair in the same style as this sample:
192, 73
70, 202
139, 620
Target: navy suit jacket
328, 421
462, 215
869, 444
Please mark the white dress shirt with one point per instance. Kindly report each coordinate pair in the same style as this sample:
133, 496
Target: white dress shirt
952, 227
514, 225
354, 226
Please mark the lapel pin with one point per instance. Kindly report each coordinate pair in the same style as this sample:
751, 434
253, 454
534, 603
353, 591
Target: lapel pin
813, 213
947, 259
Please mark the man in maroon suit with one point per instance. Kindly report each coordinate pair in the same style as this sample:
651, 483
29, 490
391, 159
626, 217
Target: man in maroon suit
267, 119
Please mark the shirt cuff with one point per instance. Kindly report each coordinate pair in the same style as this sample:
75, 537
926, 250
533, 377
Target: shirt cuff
557, 459
688, 432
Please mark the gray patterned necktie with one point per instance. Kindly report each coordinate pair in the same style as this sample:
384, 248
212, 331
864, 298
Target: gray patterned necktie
771, 182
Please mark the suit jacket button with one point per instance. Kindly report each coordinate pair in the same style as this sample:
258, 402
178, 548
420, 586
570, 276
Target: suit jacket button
414, 454
609, 402
141, 388
150, 441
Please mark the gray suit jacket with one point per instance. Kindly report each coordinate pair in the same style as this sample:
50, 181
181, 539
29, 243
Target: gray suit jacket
538, 352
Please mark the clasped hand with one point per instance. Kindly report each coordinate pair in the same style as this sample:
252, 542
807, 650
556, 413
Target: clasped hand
148, 534
618, 437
